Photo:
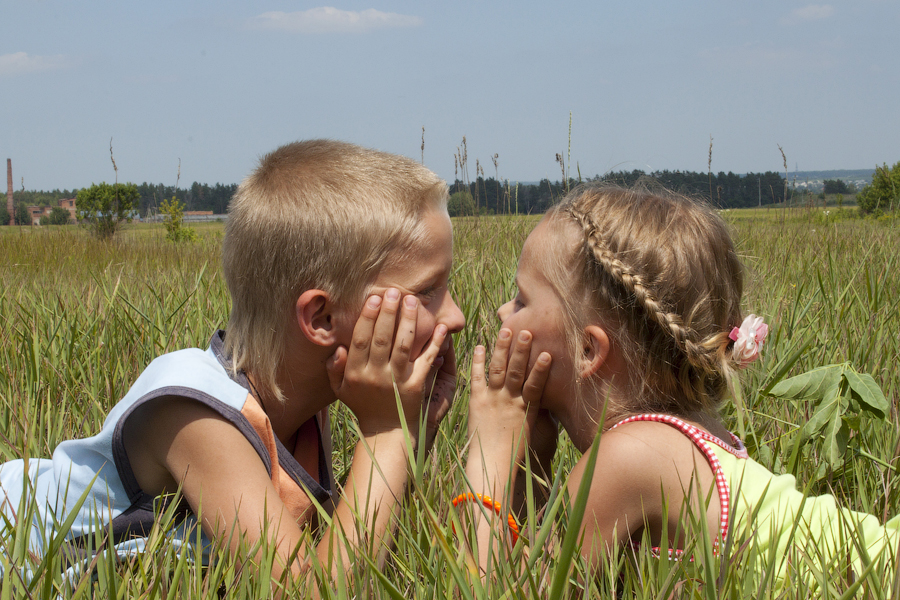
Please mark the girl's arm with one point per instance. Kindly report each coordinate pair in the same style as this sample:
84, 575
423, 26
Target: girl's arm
542, 443
502, 411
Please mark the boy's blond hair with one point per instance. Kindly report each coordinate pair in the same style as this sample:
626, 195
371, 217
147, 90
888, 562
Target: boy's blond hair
316, 214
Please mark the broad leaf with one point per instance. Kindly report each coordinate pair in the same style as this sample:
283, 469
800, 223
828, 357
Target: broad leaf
827, 410
836, 436
812, 384
867, 392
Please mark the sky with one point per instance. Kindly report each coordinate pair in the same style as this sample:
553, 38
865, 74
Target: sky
214, 85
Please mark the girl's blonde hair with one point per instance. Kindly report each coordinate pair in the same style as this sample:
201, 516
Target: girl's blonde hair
317, 214
659, 271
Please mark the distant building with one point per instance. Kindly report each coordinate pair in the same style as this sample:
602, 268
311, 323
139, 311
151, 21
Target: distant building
69, 205
37, 212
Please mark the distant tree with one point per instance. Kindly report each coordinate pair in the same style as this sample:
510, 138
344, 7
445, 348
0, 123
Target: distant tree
883, 193
461, 204
835, 186
22, 215
57, 216
104, 207
4, 215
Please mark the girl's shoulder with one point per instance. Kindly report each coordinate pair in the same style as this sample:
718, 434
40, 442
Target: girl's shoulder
702, 428
643, 470
650, 431
651, 445
660, 449
635, 456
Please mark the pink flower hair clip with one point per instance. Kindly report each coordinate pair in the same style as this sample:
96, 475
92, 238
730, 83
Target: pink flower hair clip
748, 339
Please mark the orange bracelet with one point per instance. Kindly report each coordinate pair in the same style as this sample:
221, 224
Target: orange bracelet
495, 506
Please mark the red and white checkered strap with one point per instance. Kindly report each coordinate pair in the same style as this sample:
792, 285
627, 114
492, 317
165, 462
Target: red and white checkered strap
697, 436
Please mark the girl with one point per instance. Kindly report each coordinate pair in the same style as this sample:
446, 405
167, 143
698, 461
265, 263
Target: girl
636, 296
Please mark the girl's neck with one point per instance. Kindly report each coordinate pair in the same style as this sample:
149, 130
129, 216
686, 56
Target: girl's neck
587, 408
584, 412
709, 422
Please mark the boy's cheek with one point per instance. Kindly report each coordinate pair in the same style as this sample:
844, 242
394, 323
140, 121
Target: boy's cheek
344, 323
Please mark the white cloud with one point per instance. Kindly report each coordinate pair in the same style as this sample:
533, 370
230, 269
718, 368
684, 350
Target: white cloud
326, 19
810, 12
19, 63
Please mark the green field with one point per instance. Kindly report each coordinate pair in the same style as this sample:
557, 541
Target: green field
80, 319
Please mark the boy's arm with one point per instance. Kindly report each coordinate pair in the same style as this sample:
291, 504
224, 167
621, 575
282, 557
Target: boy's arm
226, 484
328, 451
372, 377
437, 404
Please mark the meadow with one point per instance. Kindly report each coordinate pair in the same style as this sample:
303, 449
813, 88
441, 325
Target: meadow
80, 319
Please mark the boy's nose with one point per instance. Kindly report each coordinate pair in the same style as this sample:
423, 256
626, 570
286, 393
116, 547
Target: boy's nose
453, 318
505, 310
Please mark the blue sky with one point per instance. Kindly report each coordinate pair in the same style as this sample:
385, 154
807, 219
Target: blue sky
218, 84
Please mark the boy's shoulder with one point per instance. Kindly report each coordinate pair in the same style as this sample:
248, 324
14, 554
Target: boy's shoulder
190, 373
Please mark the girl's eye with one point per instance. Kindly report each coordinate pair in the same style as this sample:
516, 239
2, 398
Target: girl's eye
428, 293
517, 302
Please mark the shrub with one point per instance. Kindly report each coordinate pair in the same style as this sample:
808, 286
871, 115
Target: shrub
883, 194
461, 204
22, 216
57, 216
174, 221
104, 207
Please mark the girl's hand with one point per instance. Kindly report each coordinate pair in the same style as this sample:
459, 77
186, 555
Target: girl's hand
504, 404
542, 443
544, 437
378, 367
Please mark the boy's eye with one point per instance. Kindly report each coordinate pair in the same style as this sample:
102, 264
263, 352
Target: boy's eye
428, 293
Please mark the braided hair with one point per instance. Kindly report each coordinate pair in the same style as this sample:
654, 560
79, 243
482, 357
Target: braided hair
660, 272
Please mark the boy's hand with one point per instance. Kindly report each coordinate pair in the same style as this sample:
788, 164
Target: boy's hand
378, 362
438, 404
504, 404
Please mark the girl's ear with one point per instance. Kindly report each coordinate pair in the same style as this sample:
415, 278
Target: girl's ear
316, 317
595, 352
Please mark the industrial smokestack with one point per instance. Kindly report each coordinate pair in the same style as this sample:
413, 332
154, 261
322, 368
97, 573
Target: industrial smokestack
9, 197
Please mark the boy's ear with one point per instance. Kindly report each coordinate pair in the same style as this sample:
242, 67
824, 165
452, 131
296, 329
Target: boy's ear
595, 351
316, 317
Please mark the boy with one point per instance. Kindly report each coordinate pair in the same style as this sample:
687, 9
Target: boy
337, 261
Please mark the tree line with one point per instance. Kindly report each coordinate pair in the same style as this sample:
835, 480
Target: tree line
722, 190
490, 196
199, 196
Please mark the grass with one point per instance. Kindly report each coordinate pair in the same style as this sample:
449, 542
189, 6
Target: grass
80, 319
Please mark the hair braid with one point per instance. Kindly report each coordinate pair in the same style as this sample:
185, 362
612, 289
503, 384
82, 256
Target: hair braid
634, 283
661, 273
